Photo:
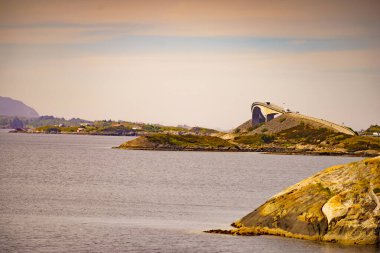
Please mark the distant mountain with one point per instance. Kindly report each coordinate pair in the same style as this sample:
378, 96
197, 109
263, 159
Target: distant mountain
11, 107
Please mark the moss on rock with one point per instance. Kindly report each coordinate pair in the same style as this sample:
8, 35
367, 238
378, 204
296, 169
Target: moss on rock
338, 204
179, 142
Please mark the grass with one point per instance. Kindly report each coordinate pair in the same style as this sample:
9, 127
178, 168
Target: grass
372, 129
201, 130
305, 134
357, 143
69, 129
49, 129
255, 140
189, 141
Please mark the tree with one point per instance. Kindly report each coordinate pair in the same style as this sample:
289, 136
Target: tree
17, 123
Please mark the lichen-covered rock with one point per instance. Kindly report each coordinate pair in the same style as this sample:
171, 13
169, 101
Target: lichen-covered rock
336, 207
338, 204
179, 142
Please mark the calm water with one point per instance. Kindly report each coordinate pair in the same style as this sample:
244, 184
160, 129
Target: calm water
65, 193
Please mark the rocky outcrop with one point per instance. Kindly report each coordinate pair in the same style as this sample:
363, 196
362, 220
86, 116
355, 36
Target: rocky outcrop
179, 143
339, 204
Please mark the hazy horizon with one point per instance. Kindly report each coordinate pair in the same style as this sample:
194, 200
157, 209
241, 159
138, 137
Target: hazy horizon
192, 62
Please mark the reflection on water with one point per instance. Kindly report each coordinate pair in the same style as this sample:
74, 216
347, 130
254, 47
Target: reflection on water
62, 193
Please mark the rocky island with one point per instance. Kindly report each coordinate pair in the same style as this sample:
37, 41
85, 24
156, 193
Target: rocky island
339, 204
179, 142
292, 133
300, 137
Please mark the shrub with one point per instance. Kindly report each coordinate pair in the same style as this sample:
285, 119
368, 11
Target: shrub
267, 138
357, 144
255, 140
49, 129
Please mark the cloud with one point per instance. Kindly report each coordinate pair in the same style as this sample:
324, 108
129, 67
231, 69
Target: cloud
100, 59
65, 33
80, 19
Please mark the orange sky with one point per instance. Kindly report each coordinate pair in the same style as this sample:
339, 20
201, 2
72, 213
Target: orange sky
304, 19
213, 55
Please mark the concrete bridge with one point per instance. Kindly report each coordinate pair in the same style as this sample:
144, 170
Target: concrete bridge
264, 112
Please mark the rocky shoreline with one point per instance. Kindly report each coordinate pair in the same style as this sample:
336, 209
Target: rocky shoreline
166, 142
339, 204
258, 150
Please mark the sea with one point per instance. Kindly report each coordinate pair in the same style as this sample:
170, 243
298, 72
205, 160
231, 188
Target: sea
76, 193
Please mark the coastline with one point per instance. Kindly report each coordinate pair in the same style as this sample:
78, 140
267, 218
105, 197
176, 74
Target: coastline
339, 204
237, 148
264, 151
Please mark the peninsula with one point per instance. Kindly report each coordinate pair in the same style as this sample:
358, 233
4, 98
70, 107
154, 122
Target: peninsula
271, 129
188, 142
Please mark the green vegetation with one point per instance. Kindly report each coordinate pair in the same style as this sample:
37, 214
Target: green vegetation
325, 190
312, 210
201, 130
372, 129
251, 140
267, 138
303, 137
257, 126
179, 142
50, 124
151, 128
9, 122
112, 130
321, 140
305, 134
254, 140
69, 129
189, 141
49, 129
357, 143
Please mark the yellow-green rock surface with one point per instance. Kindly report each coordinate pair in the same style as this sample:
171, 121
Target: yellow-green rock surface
179, 142
339, 204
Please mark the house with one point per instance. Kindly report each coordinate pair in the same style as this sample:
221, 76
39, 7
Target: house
81, 129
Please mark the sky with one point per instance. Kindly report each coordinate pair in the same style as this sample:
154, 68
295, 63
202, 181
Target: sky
200, 63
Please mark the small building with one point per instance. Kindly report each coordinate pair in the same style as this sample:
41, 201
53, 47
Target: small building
81, 129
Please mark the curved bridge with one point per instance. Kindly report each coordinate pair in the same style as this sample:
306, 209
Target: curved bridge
334, 126
264, 112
